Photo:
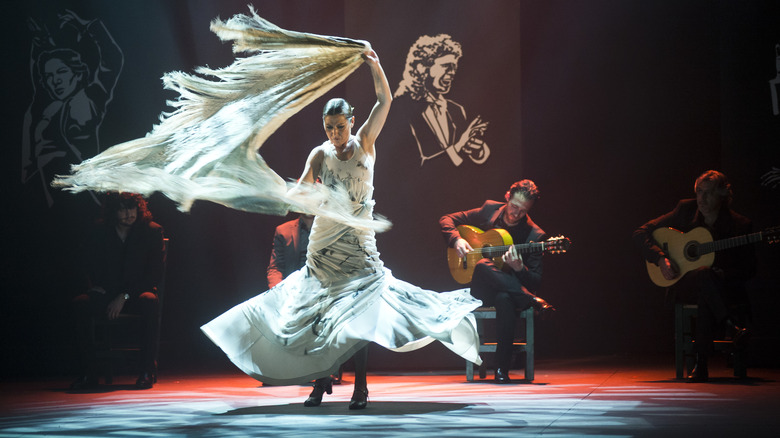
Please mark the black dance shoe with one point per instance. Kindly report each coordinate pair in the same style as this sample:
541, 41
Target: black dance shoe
502, 376
359, 399
146, 380
84, 382
541, 306
321, 386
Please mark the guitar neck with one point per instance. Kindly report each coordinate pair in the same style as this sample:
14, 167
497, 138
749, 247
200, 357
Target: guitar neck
732, 242
523, 248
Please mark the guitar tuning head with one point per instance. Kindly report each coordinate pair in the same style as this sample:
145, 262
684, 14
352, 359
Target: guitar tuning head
772, 235
558, 244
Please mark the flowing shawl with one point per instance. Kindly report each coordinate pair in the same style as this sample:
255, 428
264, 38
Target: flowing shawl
207, 149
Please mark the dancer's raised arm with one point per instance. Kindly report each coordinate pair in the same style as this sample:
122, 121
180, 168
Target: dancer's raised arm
370, 130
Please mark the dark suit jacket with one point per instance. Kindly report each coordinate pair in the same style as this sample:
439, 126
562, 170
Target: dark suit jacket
485, 218
133, 267
738, 263
286, 254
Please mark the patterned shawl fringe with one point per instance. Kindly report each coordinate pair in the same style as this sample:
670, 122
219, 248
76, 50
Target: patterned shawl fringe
207, 149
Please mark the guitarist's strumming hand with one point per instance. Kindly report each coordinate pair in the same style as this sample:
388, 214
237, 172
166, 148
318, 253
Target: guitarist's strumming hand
667, 269
513, 259
462, 247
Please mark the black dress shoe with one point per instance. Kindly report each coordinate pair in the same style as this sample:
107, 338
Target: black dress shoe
321, 386
502, 376
146, 380
541, 306
84, 382
359, 399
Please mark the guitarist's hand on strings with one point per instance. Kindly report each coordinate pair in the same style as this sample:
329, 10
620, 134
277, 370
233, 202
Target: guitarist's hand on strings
667, 269
462, 247
513, 258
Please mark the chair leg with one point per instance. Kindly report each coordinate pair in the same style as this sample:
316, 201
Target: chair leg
109, 362
740, 368
481, 335
679, 354
469, 371
529, 344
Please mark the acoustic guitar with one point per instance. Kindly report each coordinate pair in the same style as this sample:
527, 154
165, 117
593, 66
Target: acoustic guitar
696, 248
493, 244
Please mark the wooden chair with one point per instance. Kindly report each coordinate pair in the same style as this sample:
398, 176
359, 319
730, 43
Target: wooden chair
684, 357
117, 341
484, 313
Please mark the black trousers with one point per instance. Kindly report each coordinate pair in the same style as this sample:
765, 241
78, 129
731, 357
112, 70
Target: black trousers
710, 293
503, 291
93, 305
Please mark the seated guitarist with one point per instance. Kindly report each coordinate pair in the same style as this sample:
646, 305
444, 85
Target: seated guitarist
510, 287
717, 289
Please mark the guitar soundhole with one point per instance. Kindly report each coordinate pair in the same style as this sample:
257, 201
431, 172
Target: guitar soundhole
692, 251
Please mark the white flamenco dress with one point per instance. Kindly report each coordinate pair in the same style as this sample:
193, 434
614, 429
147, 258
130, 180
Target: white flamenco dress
344, 298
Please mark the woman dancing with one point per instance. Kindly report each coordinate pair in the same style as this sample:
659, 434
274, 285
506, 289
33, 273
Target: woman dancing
343, 298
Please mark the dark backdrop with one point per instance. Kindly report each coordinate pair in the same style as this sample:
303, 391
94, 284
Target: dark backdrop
612, 107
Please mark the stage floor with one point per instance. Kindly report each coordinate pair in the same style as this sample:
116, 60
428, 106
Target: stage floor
586, 397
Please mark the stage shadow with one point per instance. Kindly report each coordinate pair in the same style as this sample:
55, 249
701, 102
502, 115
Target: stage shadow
340, 408
748, 381
513, 382
100, 389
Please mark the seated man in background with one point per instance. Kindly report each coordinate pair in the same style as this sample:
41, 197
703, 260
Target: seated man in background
123, 266
289, 251
716, 289
510, 287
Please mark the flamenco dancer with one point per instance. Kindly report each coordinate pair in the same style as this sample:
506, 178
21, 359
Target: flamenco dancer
344, 298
